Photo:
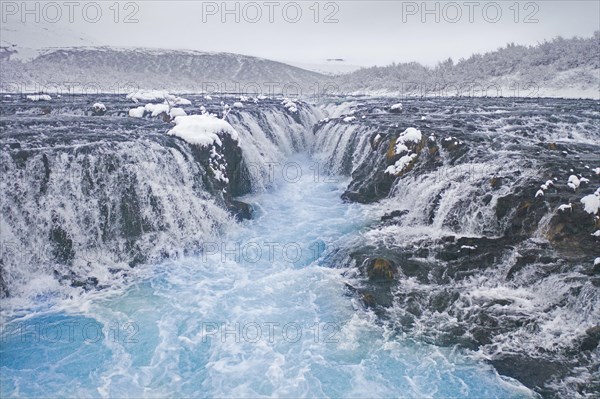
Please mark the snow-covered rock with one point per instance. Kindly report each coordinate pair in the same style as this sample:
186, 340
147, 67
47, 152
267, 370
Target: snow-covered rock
396, 107
410, 135
147, 95
564, 207
174, 112
157, 109
137, 112
202, 129
591, 203
39, 97
99, 107
573, 182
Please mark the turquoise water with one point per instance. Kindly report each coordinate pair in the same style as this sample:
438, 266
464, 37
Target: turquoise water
260, 313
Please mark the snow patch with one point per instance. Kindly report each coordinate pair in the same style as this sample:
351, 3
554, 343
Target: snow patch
137, 112
201, 129
591, 203
39, 97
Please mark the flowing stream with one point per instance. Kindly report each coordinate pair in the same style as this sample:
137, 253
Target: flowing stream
261, 312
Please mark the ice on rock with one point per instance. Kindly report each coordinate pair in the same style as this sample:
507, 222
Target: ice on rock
540, 193
202, 129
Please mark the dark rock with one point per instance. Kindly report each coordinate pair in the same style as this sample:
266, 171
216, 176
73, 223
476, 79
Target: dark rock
532, 372
393, 215
591, 340
241, 210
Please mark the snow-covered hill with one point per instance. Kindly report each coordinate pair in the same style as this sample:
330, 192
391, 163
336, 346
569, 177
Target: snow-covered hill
108, 69
558, 68
567, 68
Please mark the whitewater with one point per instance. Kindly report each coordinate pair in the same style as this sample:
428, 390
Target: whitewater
262, 311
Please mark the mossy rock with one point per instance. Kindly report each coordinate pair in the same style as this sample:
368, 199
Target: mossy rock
391, 151
381, 269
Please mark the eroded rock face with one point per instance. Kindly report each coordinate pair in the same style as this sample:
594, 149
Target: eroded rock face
481, 258
87, 188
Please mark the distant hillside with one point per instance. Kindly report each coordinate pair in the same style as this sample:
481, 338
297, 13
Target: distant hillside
561, 67
558, 68
157, 69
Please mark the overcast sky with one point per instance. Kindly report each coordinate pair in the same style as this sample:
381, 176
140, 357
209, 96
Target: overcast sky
360, 32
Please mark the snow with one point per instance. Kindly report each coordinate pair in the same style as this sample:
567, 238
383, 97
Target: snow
147, 95
409, 135
157, 109
137, 112
182, 101
238, 104
564, 207
99, 107
39, 97
540, 193
201, 129
396, 106
400, 164
177, 112
155, 95
289, 104
574, 182
207, 97
349, 118
596, 233
596, 171
591, 203
468, 247
597, 261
